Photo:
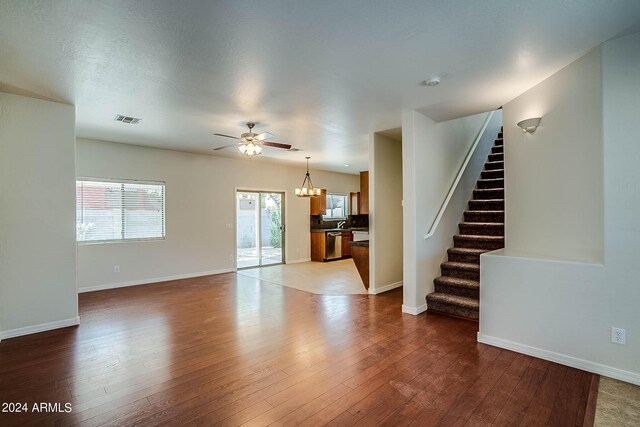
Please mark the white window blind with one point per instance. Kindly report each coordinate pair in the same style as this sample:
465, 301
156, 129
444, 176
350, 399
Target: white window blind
336, 206
119, 210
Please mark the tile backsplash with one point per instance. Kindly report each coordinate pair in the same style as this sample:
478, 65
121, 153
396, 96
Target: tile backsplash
352, 221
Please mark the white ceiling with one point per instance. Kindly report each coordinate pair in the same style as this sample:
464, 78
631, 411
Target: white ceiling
321, 75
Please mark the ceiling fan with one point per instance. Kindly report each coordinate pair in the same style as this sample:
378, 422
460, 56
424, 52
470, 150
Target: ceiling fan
251, 144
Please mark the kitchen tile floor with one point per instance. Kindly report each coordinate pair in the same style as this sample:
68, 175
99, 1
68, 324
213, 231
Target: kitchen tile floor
618, 404
324, 278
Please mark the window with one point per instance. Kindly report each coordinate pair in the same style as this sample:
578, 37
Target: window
336, 206
109, 211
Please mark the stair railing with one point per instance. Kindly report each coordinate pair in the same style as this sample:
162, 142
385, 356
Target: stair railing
452, 190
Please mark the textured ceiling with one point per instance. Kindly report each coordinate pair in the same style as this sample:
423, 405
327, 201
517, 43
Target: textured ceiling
321, 75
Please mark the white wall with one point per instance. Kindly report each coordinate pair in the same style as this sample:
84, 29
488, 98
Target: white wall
37, 216
385, 213
432, 156
562, 310
554, 177
200, 197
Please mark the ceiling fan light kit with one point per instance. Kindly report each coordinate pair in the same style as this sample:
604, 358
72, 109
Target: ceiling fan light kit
250, 149
252, 144
307, 189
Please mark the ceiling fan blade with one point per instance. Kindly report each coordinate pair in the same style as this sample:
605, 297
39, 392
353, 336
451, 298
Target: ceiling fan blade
224, 146
264, 135
276, 145
226, 136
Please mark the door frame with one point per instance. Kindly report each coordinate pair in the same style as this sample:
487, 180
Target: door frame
285, 241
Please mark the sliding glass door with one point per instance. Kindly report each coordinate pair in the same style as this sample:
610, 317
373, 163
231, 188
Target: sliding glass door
259, 228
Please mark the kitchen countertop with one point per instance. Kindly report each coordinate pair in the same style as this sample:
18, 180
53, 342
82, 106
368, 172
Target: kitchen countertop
360, 243
324, 230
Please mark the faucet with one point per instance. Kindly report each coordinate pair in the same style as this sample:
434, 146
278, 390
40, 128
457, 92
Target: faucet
341, 224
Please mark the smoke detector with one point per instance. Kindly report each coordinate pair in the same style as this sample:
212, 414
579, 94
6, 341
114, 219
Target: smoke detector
127, 119
433, 81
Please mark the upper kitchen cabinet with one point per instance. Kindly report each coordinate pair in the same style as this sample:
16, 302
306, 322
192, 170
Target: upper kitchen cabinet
363, 200
359, 202
319, 204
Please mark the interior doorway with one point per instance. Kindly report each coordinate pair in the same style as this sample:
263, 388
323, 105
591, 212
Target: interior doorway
259, 228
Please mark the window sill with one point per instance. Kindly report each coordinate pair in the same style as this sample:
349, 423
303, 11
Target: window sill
105, 242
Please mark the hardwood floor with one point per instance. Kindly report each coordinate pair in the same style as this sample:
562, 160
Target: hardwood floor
231, 350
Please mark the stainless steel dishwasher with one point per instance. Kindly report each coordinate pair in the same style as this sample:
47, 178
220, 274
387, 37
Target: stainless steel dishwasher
333, 245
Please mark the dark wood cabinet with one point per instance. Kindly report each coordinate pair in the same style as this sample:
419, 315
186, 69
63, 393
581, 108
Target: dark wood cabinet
318, 205
318, 242
363, 199
319, 245
347, 236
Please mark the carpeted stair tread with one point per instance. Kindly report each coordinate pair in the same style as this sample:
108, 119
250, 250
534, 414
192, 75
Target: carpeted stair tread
461, 266
496, 157
483, 224
455, 300
488, 193
495, 173
484, 216
457, 282
488, 242
491, 183
481, 228
486, 205
467, 251
471, 255
479, 237
494, 165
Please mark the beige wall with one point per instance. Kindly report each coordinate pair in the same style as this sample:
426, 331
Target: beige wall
554, 177
200, 191
560, 310
385, 213
37, 215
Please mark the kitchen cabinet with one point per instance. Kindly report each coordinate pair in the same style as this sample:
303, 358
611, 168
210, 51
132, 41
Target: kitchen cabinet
321, 244
354, 203
318, 205
364, 194
318, 246
347, 237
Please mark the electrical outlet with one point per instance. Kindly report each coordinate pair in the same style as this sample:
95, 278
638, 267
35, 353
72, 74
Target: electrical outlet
116, 269
618, 336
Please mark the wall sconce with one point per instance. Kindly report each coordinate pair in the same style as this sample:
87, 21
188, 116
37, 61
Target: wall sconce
529, 125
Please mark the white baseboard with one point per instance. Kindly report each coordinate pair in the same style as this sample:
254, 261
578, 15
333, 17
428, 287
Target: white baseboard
296, 261
585, 365
414, 310
27, 330
385, 288
152, 280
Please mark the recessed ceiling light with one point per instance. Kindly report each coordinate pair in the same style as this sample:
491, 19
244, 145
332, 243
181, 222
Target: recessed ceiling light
347, 165
433, 81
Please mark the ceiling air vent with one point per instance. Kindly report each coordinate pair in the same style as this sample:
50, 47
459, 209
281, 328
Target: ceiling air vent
127, 119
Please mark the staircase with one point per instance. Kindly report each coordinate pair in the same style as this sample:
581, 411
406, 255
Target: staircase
457, 291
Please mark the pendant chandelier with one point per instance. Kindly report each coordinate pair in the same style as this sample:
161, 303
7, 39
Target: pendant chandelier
307, 189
